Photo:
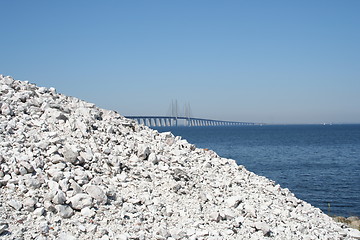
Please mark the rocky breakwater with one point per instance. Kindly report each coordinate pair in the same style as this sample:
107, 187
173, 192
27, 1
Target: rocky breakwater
70, 170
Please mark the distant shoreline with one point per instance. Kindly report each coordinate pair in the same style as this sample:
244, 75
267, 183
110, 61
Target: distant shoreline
352, 221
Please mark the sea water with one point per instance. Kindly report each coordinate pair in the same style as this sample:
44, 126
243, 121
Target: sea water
319, 164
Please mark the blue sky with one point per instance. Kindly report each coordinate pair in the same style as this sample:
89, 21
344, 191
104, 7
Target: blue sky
261, 61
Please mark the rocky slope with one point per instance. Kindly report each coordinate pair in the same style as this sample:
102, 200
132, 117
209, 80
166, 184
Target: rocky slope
70, 170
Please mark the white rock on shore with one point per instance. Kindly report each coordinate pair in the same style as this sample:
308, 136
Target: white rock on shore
70, 170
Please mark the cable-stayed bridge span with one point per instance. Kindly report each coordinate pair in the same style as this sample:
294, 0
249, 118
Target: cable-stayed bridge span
164, 121
185, 119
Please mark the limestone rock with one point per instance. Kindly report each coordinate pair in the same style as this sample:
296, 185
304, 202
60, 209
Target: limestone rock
265, 228
143, 152
15, 204
44, 227
6, 109
97, 193
65, 211
3, 227
29, 204
87, 212
233, 201
75, 186
66, 236
80, 201
70, 155
59, 197
39, 211
354, 233
153, 158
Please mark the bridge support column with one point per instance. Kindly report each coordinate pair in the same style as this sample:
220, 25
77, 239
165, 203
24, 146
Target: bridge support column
162, 122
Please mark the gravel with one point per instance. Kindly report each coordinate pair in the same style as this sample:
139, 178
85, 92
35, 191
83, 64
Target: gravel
70, 170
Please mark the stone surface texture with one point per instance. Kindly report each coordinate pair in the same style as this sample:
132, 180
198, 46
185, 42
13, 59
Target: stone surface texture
70, 170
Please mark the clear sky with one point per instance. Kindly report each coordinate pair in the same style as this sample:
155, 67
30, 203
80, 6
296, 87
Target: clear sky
261, 61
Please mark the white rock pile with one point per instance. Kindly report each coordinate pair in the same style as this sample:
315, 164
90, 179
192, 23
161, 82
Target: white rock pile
70, 170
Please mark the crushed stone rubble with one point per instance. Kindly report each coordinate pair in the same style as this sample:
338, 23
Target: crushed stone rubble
70, 170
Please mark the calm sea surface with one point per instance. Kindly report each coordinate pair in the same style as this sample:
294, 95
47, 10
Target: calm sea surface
319, 164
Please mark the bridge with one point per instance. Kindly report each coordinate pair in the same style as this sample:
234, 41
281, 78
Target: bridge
164, 121
187, 120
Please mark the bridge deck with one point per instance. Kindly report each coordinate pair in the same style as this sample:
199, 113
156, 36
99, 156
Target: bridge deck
163, 121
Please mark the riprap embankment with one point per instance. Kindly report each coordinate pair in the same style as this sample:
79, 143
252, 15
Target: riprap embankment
70, 170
